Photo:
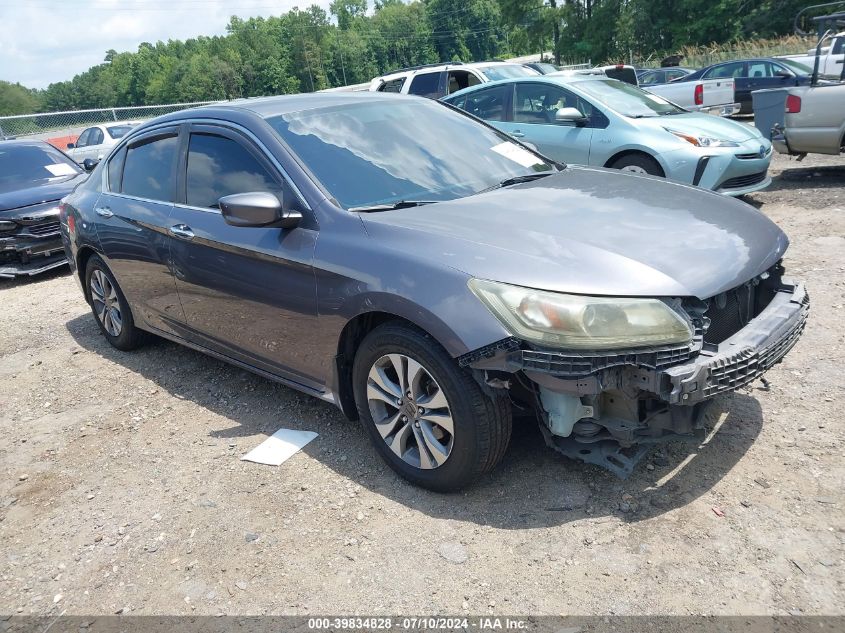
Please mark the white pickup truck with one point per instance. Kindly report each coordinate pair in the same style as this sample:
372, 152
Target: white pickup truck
712, 96
830, 60
814, 122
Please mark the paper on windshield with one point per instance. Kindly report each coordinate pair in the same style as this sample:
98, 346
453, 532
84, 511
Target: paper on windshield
60, 169
517, 154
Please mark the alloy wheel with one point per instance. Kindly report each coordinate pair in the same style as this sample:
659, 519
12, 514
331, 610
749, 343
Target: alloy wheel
106, 303
410, 411
634, 169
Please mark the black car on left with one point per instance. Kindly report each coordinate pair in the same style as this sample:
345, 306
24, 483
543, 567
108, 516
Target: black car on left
755, 74
34, 177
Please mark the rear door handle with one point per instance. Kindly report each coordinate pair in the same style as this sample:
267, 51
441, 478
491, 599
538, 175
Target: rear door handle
103, 212
517, 134
182, 230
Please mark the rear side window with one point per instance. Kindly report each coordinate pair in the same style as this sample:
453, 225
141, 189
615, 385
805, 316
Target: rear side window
736, 69
219, 166
487, 104
425, 85
96, 137
150, 167
394, 85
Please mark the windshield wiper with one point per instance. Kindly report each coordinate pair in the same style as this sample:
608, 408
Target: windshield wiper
515, 180
392, 206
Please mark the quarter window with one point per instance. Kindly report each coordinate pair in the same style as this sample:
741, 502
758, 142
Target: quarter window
150, 167
219, 166
394, 85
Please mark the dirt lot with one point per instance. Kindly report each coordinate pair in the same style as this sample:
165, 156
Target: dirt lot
122, 488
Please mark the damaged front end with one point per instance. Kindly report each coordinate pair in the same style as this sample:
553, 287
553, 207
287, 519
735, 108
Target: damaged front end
608, 407
30, 240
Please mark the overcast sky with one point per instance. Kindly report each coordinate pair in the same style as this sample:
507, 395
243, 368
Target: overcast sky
43, 41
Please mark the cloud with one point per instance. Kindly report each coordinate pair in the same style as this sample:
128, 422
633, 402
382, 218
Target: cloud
45, 41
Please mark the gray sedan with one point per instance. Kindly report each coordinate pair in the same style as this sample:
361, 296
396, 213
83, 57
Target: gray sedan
429, 275
608, 123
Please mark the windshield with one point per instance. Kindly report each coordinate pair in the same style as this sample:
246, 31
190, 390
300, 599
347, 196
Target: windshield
507, 71
382, 152
23, 166
626, 99
119, 131
796, 67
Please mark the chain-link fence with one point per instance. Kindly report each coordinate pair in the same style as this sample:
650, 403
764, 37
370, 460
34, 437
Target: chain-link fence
61, 128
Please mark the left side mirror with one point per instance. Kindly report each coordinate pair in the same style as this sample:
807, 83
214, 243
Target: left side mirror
570, 115
783, 74
257, 209
89, 163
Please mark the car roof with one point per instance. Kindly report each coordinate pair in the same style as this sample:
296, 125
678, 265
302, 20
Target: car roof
552, 78
267, 107
404, 72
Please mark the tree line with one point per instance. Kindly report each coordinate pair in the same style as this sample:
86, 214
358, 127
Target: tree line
311, 49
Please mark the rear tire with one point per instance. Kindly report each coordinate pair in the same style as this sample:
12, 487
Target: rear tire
638, 164
448, 432
110, 308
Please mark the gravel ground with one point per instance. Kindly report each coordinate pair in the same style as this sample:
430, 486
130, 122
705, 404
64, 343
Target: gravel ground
121, 488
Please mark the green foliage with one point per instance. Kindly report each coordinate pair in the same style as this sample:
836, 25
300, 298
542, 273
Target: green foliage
16, 99
310, 49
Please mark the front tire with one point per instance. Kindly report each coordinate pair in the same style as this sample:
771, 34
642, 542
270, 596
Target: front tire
638, 164
110, 308
428, 419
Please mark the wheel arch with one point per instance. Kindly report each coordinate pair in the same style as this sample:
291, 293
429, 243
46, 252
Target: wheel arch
632, 152
353, 333
82, 256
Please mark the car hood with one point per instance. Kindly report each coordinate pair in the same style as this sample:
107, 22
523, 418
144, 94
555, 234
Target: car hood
704, 125
592, 231
46, 192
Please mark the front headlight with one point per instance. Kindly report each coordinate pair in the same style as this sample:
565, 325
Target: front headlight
702, 141
578, 322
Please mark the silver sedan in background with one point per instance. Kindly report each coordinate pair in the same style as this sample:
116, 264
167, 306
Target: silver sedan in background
608, 123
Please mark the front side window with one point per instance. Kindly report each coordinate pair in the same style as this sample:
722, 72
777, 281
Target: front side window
382, 152
82, 141
651, 78
219, 166
149, 168
425, 85
760, 69
538, 103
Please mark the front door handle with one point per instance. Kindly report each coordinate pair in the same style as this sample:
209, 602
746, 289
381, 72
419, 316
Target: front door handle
517, 134
182, 230
103, 212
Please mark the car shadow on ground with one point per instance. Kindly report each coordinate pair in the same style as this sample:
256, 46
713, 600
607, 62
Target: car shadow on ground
819, 177
533, 486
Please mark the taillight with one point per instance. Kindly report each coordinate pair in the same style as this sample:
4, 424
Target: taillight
67, 218
793, 104
699, 94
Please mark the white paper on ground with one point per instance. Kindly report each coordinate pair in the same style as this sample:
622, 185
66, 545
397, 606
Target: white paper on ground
279, 447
